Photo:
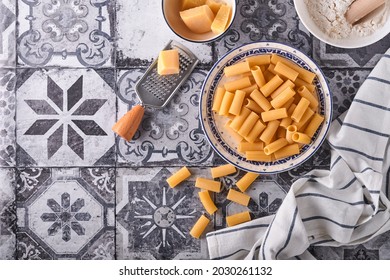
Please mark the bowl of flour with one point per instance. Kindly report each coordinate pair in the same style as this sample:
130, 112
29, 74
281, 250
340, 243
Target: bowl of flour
325, 19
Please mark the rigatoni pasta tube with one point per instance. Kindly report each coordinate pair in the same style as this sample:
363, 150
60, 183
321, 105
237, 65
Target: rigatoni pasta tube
282, 98
246, 181
238, 84
239, 120
259, 60
283, 70
300, 109
304, 74
218, 96
272, 115
271, 86
207, 202
255, 132
301, 138
238, 197
248, 124
222, 170
178, 177
287, 151
207, 184
306, 117
268, 76
259, 98
237, 69
287, 121
253, 106
258, 156
280, 89
226, 103
238, 100
289, 103
300, 83
238, 218
305, 93
199, 226
275, 146
290, 130
250, 89
314, 124
232, 132
247, 146
270, 131
258, 76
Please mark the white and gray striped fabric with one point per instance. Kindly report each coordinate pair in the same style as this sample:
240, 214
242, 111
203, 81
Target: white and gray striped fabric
346, 205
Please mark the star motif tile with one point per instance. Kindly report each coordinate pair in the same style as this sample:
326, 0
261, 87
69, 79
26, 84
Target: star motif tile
7, 33
63, 213
65, 33
67, 112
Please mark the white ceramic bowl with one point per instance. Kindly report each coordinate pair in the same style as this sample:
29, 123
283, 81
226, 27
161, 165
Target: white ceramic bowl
213, 124
351, 42
171, 9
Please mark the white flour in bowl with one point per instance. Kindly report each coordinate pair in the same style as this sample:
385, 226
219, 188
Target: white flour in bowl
329, 16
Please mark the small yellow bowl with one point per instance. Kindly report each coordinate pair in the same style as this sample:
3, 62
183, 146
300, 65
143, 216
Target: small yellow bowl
171, 9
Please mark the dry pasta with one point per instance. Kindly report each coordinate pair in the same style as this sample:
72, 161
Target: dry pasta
300, 110
247, 146
287, 151
250, 89
199, 226
275, 146
286, 71
301, 138
271, 86
259, 60
304, 74
305, 93
226, 103
291, 129
238, 100
282, 98
253, 106
255, 132
222, 170
207, 202
274, 115
220, 92
232, 132
258, 156
258, 76
314, 124
248, 124
238, 197
238, 84
238, 218
239, 120
280, 89
207, 184
237, 69
261, 100
270, 131
178, 177
246, 181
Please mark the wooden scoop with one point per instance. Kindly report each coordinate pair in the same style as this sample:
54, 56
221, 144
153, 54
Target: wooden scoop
360, 8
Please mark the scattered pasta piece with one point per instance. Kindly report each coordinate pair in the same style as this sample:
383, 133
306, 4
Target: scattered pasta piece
238, 197
223, 170
207, 184
238, 218
199, 227
244, 183
178, 177
207, 202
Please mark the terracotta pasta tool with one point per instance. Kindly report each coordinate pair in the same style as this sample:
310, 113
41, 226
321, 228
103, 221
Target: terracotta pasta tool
155, 91
360, 8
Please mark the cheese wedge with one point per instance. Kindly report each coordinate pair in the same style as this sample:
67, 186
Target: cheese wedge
168, 62
189, 4
221, 19
198, 19
214, 5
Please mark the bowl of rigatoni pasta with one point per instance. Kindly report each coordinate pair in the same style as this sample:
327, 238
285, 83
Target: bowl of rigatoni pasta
265, 107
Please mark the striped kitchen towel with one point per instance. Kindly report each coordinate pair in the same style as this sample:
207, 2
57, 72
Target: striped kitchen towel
346, 205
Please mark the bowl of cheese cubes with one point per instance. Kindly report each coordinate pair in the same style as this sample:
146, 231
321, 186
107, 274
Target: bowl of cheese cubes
265, 107
199, 21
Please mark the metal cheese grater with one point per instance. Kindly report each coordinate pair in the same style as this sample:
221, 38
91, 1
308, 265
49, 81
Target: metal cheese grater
155, 91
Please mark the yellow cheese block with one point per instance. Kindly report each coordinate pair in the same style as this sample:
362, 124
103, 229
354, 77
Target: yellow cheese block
199, 226
238, 219
238, 197
168, 62
189, 4
207, 184
214, 5
178, 177
198, 19
207, 202
221, 19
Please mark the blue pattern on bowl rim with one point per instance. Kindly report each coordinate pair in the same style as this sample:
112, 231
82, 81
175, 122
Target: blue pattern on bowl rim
215, 135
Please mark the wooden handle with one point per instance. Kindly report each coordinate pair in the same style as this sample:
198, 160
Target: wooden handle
129, 123
360, 8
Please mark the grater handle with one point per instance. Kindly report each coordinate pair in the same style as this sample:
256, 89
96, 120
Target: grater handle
127, 126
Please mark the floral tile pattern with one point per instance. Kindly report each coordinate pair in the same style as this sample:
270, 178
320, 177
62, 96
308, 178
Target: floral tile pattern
65, 213
154, 220
171, 136
65, 33
7, 117
264, 20
65, 113
7, 214
140, 44
7, 32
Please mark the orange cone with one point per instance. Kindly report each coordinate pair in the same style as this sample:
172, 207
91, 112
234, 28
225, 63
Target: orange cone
129, 123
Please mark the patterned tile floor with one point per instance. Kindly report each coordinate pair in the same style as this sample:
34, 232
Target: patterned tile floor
70, 189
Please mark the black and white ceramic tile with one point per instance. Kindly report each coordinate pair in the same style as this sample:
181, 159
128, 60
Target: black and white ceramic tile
7, 117
154, 220
141, 39
7, 213
65, 117
65, 213
7, 32
171, 136
66, 33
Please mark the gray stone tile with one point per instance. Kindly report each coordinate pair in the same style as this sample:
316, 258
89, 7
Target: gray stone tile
154, 220
141, 38
259, 20
65, 213
65, 117
171, 136
7, 214
7, 117
66, 33
333, 57
7, 33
